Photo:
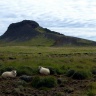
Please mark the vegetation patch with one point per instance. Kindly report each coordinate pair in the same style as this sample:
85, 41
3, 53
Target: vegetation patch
48, 82
26, 70
92, 89
93, 70
79, 74
70, 67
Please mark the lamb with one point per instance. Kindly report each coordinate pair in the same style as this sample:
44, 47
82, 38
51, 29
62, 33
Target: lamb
10, 74
44, 71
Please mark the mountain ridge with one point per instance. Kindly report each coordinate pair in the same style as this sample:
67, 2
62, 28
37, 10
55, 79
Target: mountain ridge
30, 31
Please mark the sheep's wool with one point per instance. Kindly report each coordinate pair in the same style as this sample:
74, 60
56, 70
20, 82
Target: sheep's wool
44, 71
8, 74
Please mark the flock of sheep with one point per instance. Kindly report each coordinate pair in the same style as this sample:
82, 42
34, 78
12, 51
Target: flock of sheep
13, 73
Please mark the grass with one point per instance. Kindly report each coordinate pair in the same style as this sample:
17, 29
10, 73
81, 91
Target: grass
40, 29
38, 41
92, 89
48, 82
62, 59
81, 74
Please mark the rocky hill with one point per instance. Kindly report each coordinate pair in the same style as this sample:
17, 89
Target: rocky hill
29, 32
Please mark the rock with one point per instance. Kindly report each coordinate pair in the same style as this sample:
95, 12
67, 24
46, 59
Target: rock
26, 78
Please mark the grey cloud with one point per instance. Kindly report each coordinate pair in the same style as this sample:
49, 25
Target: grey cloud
48, 15
87, 33
10, 16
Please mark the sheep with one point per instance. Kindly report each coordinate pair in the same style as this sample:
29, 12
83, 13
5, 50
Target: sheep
10, 74
44, 71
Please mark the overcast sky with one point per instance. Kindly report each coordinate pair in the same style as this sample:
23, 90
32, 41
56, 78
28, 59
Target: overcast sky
50, 13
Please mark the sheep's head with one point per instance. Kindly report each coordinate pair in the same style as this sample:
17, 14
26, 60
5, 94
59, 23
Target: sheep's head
14, 72
39, 67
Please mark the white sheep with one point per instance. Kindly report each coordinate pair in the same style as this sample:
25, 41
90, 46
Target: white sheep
44, 71
11, 74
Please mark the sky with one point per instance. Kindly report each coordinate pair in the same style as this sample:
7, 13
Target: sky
59, 14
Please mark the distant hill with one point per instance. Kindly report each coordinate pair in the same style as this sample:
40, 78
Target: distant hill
29, 32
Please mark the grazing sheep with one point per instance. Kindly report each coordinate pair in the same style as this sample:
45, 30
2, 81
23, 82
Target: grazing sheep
26, 78
44, 71
11, 74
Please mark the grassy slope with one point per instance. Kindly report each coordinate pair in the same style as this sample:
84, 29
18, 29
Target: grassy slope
61, 58
36, 41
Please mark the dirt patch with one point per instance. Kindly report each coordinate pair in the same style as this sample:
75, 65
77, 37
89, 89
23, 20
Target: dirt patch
65, 87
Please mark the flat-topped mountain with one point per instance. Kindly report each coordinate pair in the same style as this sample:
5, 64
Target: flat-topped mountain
29, 32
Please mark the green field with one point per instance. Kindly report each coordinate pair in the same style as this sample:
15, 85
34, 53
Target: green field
72, 57
62, 59
59, 58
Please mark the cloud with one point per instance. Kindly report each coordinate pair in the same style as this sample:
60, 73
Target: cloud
56, 13
57, 9
87, 33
